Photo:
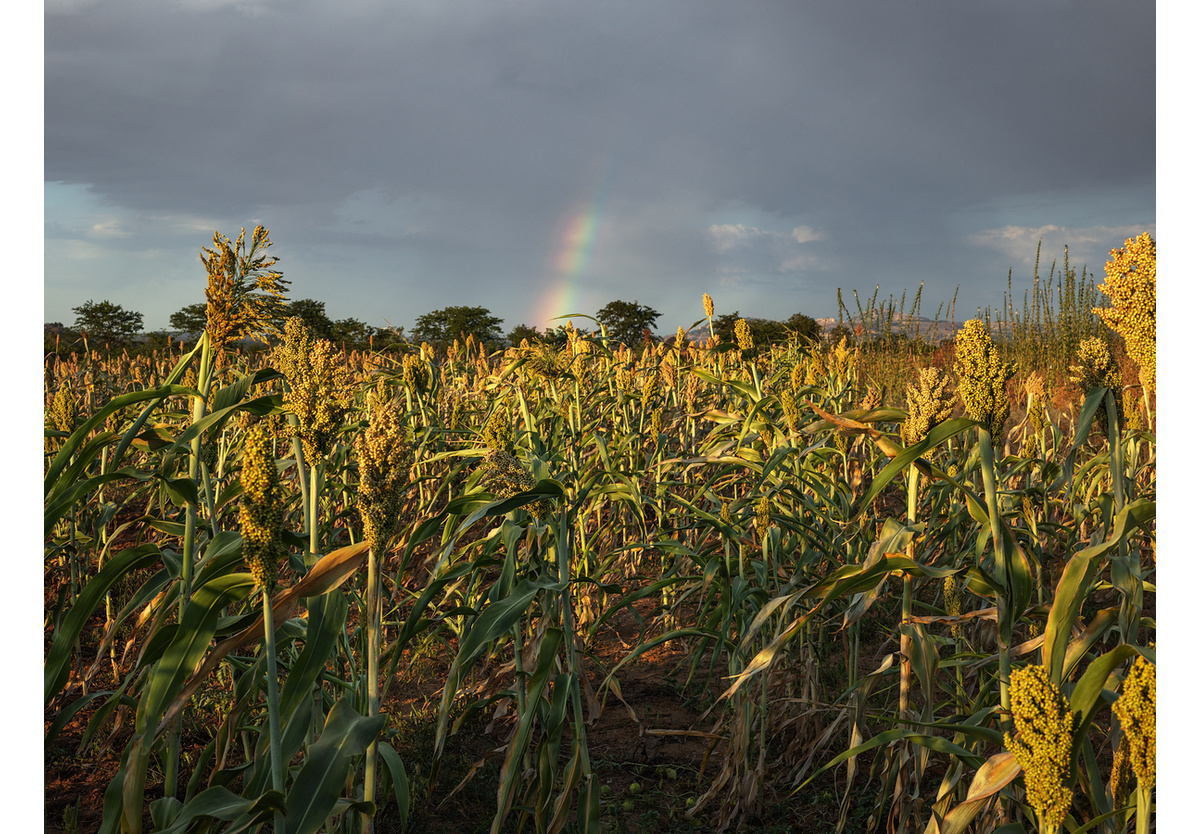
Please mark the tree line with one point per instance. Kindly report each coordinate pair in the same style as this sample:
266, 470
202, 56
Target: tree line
628, 322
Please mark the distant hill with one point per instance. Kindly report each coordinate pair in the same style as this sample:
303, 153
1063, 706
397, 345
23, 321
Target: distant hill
930, 330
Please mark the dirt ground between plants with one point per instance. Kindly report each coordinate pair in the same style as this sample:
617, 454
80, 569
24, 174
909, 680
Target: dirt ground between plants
666, 750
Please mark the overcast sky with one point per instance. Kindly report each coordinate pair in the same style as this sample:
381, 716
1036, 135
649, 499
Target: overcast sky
542, 158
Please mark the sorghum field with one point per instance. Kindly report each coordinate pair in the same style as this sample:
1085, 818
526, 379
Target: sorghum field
867, 583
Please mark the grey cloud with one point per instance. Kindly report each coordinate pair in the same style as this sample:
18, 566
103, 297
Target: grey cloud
451, 140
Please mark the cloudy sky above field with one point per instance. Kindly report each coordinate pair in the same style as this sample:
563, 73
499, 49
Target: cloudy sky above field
541, 158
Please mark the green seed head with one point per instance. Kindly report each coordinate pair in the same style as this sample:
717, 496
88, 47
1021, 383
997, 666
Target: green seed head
504, 477
498, 433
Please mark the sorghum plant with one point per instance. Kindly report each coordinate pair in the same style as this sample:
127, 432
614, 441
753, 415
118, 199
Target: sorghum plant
384, 460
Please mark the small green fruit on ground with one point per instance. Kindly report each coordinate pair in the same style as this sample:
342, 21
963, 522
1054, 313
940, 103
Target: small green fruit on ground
671, 774
627, 805
691, 801
605, 790
635, 789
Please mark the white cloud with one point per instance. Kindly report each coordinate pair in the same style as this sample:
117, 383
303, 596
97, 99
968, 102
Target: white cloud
727, 236
767, 250
806, 234
108, 227
1021, 242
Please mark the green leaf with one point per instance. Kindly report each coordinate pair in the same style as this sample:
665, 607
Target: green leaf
58, 660
220, 803
1075, 585
910, 455
493, 623
191, 641
395, 768
317, 648
322, 779
1087, 696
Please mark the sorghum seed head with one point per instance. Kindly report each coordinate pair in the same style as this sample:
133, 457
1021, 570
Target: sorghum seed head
498, 433
1131, 283
1044, 727
741, 331
762, 514
504, 477
929, 402
1137, 710
1122, 780
384, 460
260, 514
982, 376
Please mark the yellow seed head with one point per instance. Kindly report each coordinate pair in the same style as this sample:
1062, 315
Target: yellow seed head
791, 413
260, 514
691, 389
1122, 780
649, 388
708, 305
762, 515
1096, 368
952, 593
930, 402
1137, 708
842, 361
319, 382
872, 399
245, 294
1131, 284
741, 331
668, 371
1042, 743
384, 460
64, 416
982, 376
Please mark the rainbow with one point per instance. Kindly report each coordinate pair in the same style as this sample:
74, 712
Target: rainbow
568, 263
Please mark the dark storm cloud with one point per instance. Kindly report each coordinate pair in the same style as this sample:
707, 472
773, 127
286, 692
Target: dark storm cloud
444, 145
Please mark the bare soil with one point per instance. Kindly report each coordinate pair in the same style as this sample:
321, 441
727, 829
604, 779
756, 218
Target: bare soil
662, 742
